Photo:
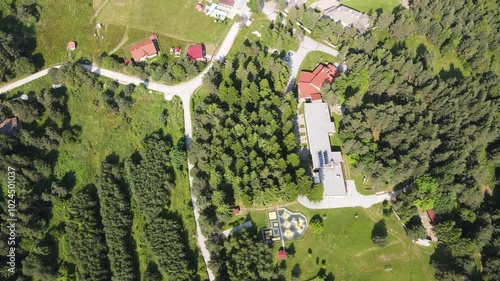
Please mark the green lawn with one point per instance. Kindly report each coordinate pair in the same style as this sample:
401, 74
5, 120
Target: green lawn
348, 251
440, 61
105, 133
366, 6
64, 21
313, 58
177, 19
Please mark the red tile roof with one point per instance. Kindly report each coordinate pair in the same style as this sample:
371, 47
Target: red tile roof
195, 52
10, 126
310, 83
281, 254
227, 2
315, 96
432, 216
144, 49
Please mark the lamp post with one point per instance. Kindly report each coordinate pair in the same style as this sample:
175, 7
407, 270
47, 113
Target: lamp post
22, 97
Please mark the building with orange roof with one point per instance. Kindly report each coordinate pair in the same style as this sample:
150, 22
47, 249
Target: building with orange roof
145, 49
310, 83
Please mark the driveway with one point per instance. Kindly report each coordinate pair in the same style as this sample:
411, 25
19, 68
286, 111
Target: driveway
307, 45
352, 199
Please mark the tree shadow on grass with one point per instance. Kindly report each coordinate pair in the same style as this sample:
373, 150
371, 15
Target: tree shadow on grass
451, 73
379, 233
296, 271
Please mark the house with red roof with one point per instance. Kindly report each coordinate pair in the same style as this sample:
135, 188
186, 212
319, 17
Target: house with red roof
10, 126
310, 83
229, 3
197, 52
145, 49
434, 219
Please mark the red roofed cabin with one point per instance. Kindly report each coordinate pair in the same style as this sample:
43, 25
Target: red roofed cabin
310, 83
432, 216
197, 52
229, 3
146, 49
10, 126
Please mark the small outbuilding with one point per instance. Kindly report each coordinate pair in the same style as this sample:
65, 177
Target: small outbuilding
197, 52
71, 46
10, 126
236, 210
282, 254
177, 51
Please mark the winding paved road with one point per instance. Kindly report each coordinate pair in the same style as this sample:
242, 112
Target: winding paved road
185, 90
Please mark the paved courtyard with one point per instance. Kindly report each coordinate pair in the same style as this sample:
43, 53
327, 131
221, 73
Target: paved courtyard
286, 225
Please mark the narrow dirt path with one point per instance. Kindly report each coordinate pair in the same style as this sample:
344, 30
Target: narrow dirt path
121, 43
99, 9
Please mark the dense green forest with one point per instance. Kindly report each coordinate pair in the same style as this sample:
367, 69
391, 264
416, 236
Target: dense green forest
244, 150
17, 40
118, 226
162, 68
409, 123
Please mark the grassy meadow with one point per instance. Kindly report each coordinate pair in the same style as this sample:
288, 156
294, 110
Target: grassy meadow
346, 249
176, 19
124, 22
366, 6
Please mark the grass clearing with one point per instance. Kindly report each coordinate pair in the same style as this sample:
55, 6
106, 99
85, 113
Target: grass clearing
440, 62
176, 19
367, 6
314, 58
346, 247
62, 21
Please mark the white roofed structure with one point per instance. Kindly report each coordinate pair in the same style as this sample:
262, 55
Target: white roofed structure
325, 161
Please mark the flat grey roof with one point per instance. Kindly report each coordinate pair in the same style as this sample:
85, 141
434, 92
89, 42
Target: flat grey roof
348, 16
319, 126
329, 163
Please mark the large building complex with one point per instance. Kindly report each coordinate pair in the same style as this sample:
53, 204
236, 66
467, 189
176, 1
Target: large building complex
327, 164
